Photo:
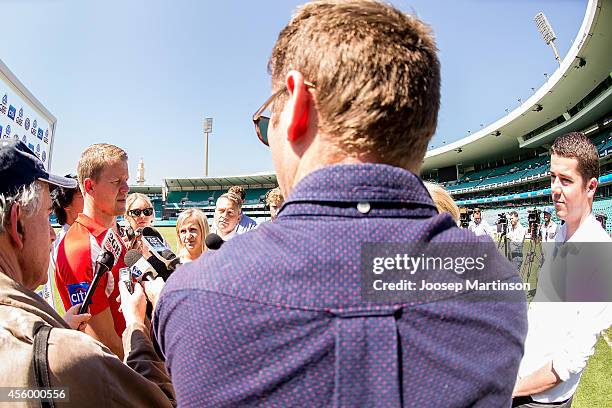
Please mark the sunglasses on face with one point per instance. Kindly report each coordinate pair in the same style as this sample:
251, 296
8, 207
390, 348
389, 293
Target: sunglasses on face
261, 122
147, 212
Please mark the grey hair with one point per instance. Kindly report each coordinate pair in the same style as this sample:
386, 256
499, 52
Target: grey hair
29, 199
234, 198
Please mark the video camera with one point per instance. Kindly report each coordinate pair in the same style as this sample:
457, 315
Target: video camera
533, 217
465, 216
602, 218
502, 223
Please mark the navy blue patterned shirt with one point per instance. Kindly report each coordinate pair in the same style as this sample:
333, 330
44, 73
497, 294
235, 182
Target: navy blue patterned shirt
276, 318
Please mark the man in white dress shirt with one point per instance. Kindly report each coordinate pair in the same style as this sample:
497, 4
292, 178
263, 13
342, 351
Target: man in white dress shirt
549, 228
479, 226
227, 215
516, 236
562, 335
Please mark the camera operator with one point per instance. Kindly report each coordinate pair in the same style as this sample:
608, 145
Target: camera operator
479, 226
516, 235
548, 229
66, 357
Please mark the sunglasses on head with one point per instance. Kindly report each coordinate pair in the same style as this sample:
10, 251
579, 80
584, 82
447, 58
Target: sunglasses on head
261, 122
136, 212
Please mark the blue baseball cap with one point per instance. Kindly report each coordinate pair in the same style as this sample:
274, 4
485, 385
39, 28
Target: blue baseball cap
20, 167
548, 210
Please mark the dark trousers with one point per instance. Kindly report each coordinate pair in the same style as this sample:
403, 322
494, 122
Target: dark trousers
527, 402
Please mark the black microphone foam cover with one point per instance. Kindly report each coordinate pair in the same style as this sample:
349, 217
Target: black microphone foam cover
131, 257
168, 255
151, 232
107, 259
213, 241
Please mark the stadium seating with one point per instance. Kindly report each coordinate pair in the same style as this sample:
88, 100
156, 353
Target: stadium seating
599, 207
524, 170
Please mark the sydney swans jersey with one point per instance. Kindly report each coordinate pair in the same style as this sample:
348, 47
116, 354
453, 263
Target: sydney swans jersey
76, 260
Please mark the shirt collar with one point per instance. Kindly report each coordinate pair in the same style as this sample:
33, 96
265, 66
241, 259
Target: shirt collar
588, 231
354, 183
93, 227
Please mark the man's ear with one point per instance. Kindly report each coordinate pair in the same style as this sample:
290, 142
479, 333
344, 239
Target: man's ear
15, 227
591, 187
88, 185
298, 106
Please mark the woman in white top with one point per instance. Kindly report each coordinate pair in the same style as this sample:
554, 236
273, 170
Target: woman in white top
191, 229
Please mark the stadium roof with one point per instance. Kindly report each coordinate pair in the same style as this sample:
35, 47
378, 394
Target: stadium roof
145, 189
586, 65
259, 180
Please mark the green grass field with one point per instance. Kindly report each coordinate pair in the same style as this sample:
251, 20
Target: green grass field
595, 388
170, 234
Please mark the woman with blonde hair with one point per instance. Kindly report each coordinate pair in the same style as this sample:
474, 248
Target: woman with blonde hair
443, 200
191, 229
139, 211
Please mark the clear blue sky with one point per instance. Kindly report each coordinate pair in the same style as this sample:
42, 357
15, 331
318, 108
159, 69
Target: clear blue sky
142, 74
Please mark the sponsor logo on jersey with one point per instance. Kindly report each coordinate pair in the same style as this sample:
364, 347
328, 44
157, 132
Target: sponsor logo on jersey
77, 292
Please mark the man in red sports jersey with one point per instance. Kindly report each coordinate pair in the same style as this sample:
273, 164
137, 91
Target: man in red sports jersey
103, 175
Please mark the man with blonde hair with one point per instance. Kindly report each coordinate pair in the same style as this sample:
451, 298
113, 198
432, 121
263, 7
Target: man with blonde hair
274, 201
103, 174
355, 98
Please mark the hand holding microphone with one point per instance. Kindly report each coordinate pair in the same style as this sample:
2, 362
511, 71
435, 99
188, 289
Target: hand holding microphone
133, 305
144, 273
75, 320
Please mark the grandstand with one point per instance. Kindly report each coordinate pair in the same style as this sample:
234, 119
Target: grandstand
178, 194
203, 192
505, 165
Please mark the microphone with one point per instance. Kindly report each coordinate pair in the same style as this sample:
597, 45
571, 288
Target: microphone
213, 241
174, 260
111, 251
131, 233
155, 243
112, 244
104, 263
126, 277
139, 267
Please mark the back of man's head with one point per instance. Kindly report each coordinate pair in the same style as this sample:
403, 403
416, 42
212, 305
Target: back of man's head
376, 74
95, 158
577, 146
239, 191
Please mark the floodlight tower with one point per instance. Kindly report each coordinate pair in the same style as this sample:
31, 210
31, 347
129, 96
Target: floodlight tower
547, 33
207, 130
